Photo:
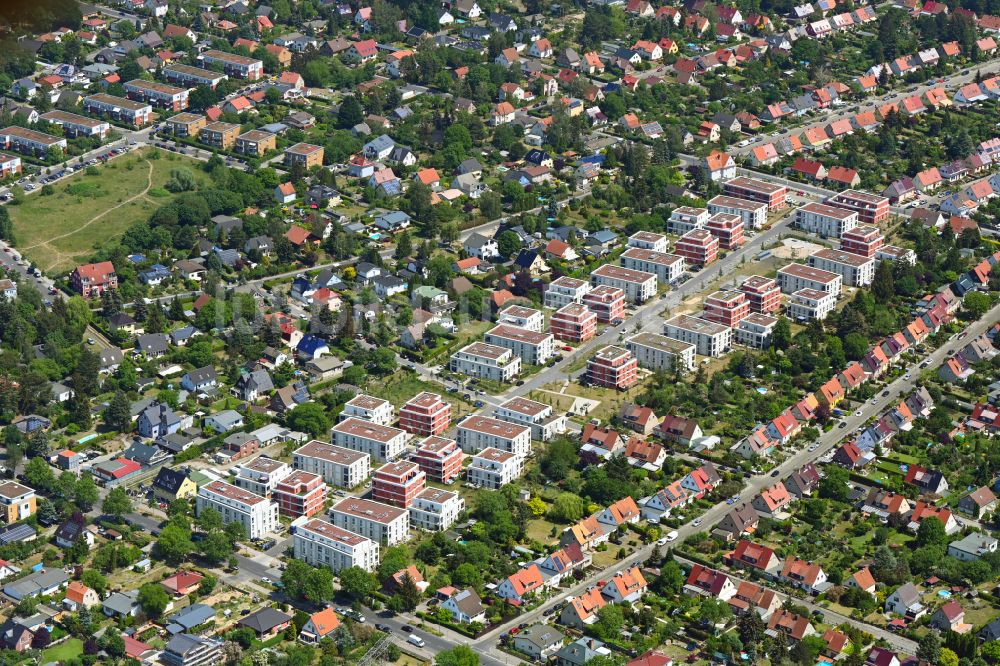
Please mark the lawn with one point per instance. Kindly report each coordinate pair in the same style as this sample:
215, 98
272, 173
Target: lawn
56, 232
64, 652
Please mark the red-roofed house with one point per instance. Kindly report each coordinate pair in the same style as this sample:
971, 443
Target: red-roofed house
93, 279
754, 556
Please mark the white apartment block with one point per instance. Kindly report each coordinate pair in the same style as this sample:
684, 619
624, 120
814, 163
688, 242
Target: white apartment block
685, 218
382, 523
855, 269
257, 514
476, 433
638, 286
543, 421
368, 408
666, 267
486, 362
565, 290
322, 544
533, 347
647, 240
826, 221
493, 468
755, 330
658, 352
383, 443
523, 317
708, 337
436, 510
793, 277
338, 466
261, 475
753, 213
809, 304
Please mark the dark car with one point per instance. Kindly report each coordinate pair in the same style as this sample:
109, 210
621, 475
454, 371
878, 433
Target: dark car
383, 627
776, 472
407, 628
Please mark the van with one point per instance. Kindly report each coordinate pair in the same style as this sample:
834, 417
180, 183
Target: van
415, 640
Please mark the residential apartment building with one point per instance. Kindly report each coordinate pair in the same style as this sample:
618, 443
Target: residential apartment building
322, 544
826, 221
219, 135
648, 240
233, 64
638, 286
118, 109
753, 213
565, 290
368, 408
755, 330
708, 337
18, 501
793, 277
686, 218
855, 269
257, 514
728, 229
305, 155
573, 323
436, 510
74, 125
425, 414
809, 304
520, 316
261, 475
187, 124
10, 165
666, 267
192, 77
544, 422
698, 247
160, 95
337, 465
493, 468
398, 483
608, 303
382, 443
476, 433
385, 524
754, 189
534, 348
485, 361
256, 143
299, 494
865, 239
93, 279
763, 293
29, 142
727, 307
871, 208
658, 352
612, 367
440, 458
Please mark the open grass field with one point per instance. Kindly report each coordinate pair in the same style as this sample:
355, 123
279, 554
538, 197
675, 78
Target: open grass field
66, 651
56, 232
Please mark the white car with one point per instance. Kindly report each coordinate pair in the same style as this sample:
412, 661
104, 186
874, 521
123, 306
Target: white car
671, 535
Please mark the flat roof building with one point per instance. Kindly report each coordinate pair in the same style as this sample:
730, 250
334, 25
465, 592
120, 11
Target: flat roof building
826, 221
727, 307
753, 213
544, 422
607, 302
534, 348
436, 510
476, 433
573, 323
368, 408
382, 523
425, 414
698, 247
398, 483
612, 367
755, 189
257, 514
322, 544
638, 286
440, 458
658, 352
809, 304
763, 293
494, 469
648, 240
708, 337
382, 443
339, 466
486, 361
855, 269
565, 290
793, 277
666, 267
871, 208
